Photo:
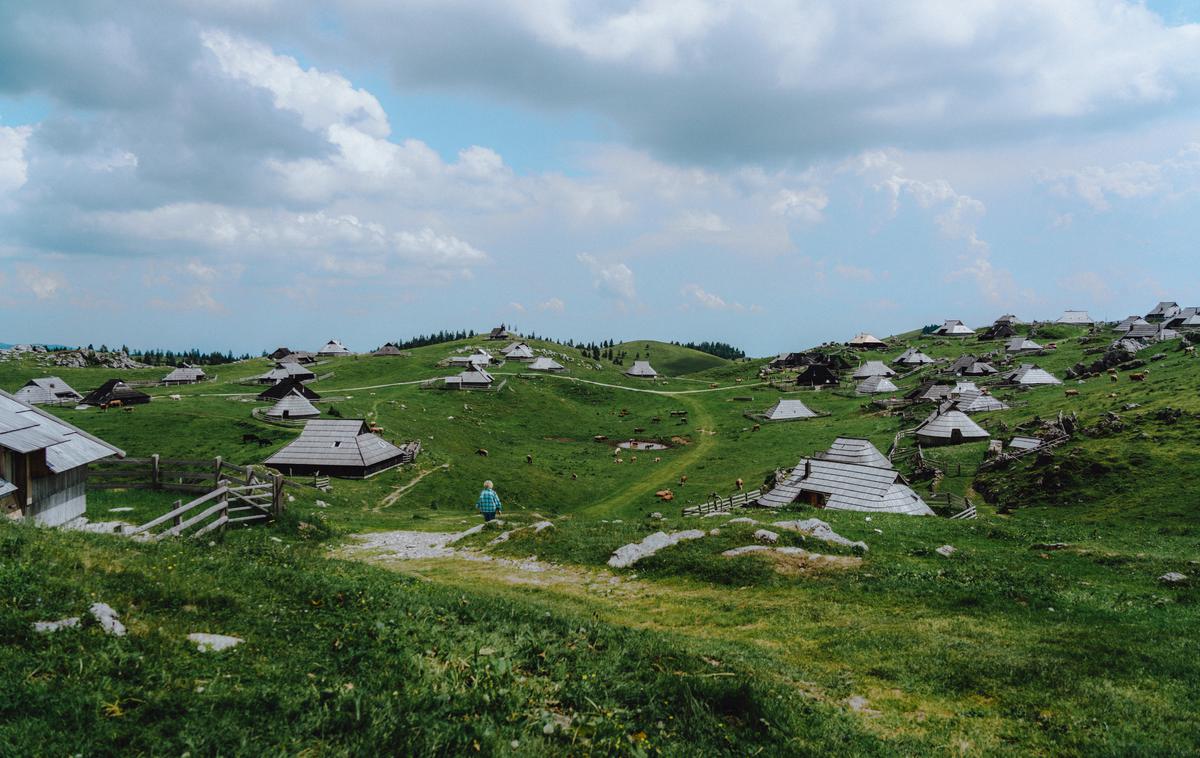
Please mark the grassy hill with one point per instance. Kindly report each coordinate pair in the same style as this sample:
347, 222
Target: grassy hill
1047, 632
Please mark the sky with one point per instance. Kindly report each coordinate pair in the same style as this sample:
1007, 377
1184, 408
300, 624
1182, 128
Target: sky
243, 174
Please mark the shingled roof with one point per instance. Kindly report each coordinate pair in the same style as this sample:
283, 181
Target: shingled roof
954, 328
1018, 345
912, 357
185, 375
851, 476
1077, 318
788, 410
642, 370
47, 391
294, 405
26, 429
543, 363
950, 428
874, 385
1031, 374
338, 447
333, 347
863, 340
872, 368
286, 387
115, 389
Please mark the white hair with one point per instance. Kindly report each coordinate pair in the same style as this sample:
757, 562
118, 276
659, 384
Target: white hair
488, 484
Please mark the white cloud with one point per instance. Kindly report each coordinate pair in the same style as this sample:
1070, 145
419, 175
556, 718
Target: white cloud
517, 307
699, 222
553, 305
43, 284
694, 294
14, 169
613, 279
1098, 185
322, 100
807, 204
855, 273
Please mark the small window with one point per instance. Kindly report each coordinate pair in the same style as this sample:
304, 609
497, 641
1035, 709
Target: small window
337, 443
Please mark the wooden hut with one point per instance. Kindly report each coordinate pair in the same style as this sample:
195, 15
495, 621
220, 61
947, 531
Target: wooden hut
475, 379
542, 363
287, 387
876, 385
872, 368
952, 427
1162, 312
788, 410
642, 370
1030, 374
285, 370
864, 341
114, 391
185, 375
518, 352
43, 463
293, 405
953, 328
817, 375
1076, 318
48, 390
852, 476
912, 357
338, 447
390, 349
1021, 346
334, 348
500, 333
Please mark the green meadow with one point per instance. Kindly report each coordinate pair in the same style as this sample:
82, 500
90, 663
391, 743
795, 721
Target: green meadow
1046, 631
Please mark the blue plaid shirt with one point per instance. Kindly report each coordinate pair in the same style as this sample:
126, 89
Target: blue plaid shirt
488, 502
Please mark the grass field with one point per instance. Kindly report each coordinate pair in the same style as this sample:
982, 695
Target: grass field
1047, 632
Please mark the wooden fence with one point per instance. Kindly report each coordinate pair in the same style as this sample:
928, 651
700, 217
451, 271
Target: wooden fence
721, 504
226, 505
172, 474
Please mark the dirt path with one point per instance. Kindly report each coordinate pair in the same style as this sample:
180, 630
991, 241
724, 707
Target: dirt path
397, 493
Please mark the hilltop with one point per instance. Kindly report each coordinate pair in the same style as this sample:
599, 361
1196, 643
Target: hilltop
1046, 620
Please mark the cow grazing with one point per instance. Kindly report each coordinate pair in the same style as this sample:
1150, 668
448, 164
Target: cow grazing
1071, 393
481, 453
1138, 377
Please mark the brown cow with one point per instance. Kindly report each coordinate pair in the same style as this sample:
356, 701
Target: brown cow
1138, 377
1072, 393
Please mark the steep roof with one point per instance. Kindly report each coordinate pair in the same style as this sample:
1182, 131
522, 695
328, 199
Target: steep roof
25, 429
543, 363
929, 390
519, 352
1165, 309
293, 405
1009, 319
862, 339
954, 328
912, 357
976, 400
788, 410
641, 369
286, 387
855, 450
114, 389
476, 377
287, 370
817, 376
943, 426
849, 485
1129, 321
1080, 318
333, 347
185, 374
874, 385
335, 442
1022, 345
1030, 374
49, 389
872, 368
390, 348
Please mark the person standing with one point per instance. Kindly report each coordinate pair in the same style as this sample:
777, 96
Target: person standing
489, 502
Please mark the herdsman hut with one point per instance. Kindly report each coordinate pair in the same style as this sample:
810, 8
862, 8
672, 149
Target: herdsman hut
876, 385
286, 370
518, 352
339, 447
390, 349
474, 379
872, 368
1163, 311
1021, 346
287, 387
851, 476
1030, 374
185, 375
500, 333
864, 341
952, 427
788, 410
49, 390
542, 363
334, 348
43, 463
115, 391
912, 357
642, 370
1076, 318
292, 406
954, 328
818, 376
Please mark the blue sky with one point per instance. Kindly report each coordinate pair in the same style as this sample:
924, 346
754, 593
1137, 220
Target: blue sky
240, 175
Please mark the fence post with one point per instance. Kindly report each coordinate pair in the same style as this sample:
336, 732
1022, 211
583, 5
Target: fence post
178, 516
155, 480
277, 494
216, 472
249, 474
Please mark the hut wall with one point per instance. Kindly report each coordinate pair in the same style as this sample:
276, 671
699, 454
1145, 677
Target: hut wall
58, 498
